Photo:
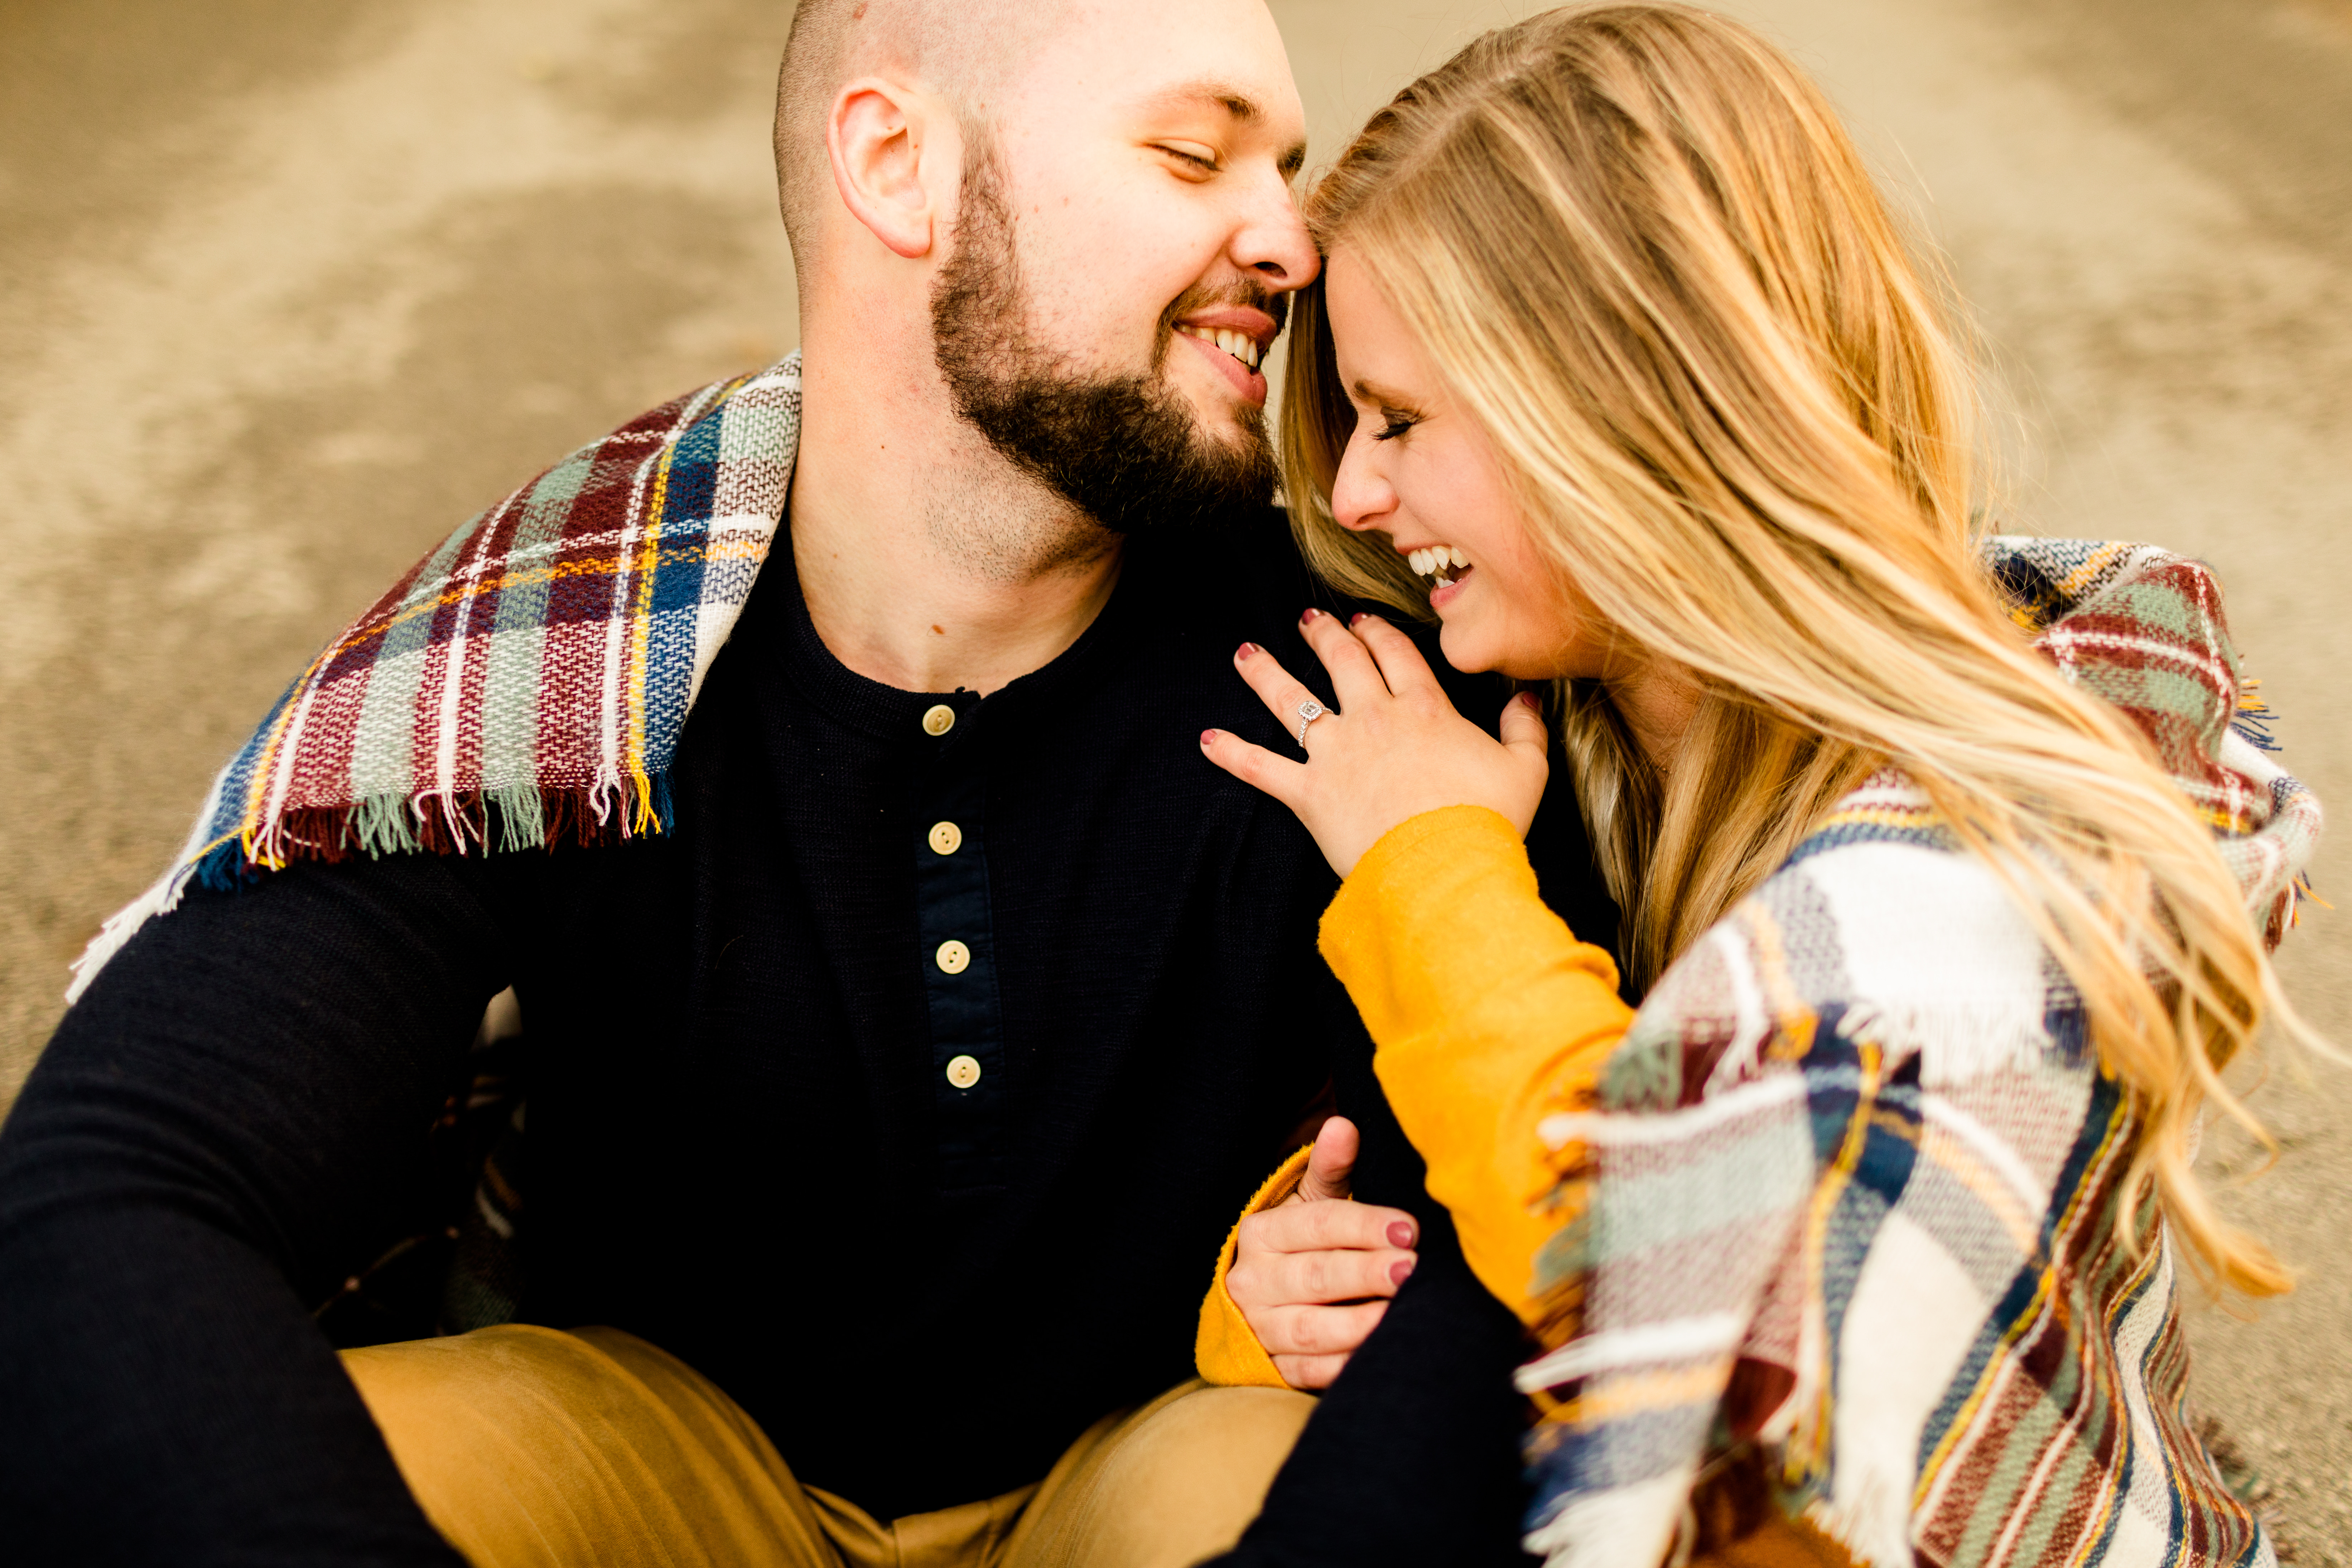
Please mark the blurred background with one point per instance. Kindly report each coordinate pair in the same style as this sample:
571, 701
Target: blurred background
288, 287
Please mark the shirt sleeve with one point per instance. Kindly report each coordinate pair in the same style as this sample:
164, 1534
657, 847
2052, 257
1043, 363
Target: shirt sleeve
220, 1129
1225, 1351
1487, 1014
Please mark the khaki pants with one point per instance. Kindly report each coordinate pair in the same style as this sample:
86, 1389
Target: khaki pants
529, 1448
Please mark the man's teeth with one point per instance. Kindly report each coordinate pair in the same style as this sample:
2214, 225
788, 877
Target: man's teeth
1435, 560
1241, 345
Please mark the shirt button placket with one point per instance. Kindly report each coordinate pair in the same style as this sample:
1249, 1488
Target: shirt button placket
960, 980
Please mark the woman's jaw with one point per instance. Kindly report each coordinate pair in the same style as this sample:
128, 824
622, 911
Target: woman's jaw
1479, 630
1515, 618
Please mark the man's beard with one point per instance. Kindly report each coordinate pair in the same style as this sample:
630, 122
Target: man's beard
1126, 450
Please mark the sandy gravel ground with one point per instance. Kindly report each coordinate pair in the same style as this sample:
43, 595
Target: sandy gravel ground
290, 286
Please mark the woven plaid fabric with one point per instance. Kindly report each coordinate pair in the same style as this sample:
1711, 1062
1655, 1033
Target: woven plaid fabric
2144, 630
525, 683
1856, 1173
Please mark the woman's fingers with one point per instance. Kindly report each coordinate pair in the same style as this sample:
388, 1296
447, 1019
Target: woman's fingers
1523, 725
1322, 1279
1319, 1331
1312, 1279
1310, 1371
1401, 664
1280, 690
1333, 1223
1355, 679
1253, 765
1333, 1162
1525, 735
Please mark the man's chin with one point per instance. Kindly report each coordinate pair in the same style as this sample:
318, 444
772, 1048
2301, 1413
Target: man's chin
1232, 427
1226, 429
1232, 439
1223, 409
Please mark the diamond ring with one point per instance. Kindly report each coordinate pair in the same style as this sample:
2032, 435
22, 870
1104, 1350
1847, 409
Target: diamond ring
1309, 712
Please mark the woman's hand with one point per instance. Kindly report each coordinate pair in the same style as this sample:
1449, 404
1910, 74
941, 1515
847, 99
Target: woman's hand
1395, 748
1310, 1274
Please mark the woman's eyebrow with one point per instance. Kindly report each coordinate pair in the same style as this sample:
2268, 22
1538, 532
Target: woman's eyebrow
1383, 397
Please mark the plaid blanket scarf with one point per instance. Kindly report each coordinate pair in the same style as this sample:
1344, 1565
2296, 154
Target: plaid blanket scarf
1854, 1175
525, 684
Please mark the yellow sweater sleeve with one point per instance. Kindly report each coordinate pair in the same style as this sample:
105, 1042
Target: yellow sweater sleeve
1486, 1015
1225, 1351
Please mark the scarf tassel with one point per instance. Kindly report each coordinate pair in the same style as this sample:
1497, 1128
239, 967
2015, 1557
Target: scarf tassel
510, 819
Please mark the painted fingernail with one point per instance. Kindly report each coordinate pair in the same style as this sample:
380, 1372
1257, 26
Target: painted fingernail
1398, 1272
1308, 614
1358, 618
1208, 737
1401, 1234
1247, 649
1531, 699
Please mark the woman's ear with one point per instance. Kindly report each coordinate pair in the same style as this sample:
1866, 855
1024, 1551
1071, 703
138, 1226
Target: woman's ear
890, 146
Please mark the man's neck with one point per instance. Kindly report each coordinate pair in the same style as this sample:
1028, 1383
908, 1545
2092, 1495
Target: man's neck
927, 561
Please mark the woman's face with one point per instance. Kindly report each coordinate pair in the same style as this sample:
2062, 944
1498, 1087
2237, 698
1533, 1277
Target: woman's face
1420, 471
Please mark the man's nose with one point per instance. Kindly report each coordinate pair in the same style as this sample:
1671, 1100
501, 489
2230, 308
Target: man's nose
1273, 242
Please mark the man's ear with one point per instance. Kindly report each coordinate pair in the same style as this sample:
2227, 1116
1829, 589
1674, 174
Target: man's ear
891, 146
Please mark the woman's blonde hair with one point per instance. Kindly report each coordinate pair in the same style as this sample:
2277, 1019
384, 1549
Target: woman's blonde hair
1648, 261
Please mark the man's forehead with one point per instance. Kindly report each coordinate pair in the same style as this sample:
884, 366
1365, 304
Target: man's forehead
1225, 55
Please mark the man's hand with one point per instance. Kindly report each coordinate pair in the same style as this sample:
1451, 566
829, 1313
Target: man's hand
1312, 1274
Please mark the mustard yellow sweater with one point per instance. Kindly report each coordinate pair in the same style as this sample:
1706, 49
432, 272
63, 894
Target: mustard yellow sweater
1487, 1015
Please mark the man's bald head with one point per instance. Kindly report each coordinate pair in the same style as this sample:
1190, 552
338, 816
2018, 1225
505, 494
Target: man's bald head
968, 52
1064, 226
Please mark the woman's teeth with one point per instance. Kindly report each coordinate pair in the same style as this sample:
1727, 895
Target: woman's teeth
1437, 561
1241, 345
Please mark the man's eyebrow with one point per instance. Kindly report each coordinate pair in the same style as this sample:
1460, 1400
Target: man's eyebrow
1245, 109
1239, 106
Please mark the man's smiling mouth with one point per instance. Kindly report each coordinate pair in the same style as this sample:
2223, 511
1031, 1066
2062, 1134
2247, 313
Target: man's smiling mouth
1241, 345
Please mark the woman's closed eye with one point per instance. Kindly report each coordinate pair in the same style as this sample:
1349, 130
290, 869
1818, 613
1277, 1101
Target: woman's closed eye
1395, 422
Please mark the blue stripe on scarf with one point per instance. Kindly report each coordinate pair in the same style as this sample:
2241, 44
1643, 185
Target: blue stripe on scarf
691, 498
2025, 1287
1890, 1123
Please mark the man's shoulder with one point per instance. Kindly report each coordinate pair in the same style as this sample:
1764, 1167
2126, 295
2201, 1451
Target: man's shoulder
1239, 574
1248, 562
1241, 546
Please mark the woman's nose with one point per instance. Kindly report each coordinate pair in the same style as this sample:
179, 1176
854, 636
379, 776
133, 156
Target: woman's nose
1361, 497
